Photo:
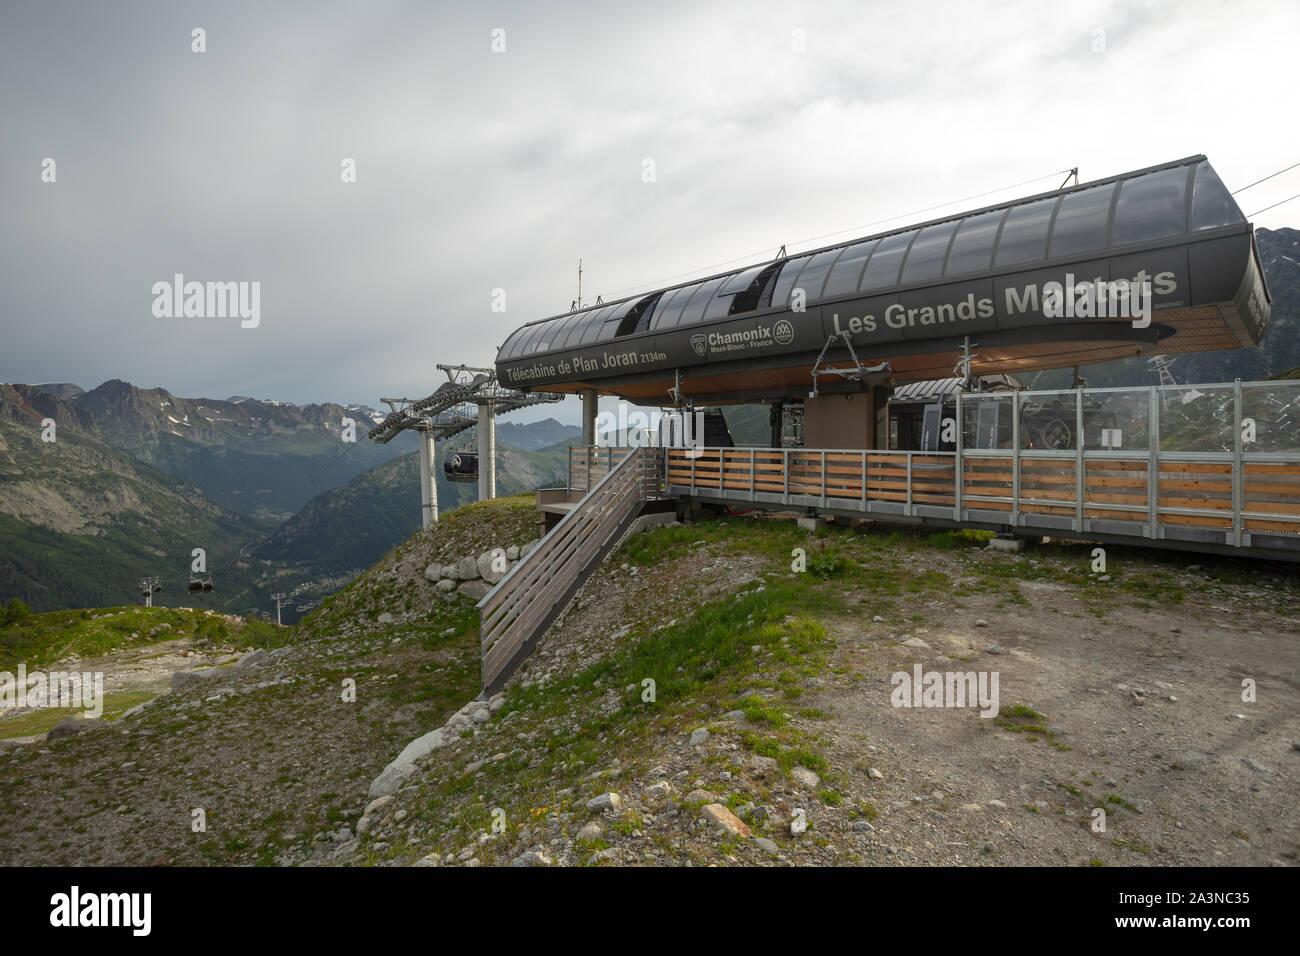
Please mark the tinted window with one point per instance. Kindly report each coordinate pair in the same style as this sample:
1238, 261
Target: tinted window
512, 344
1024, 237
843, 279
543, 333
694, 310
882, 268
595, 324
669, 314
661, 307
572, 331
1150, 207
813, 276
785, 281
741, 280
925, 258
972, 250
1211, 205
609, 326
531, 336
1081, 223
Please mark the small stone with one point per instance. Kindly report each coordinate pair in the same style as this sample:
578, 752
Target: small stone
606, 801
699, 735
995, 649
875, 774
725, 822
764, 765
531, 858
700, 794
385, 618
589, 833
766, 845
981, 623
916, 642
863, 826
798, 824
806, 777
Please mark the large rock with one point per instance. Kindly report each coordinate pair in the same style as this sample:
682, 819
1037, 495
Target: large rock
75, 725
397, 772
182, 679
257, 658
488, 562
475, 590
447, 584
433, 573
467, 569
512, 553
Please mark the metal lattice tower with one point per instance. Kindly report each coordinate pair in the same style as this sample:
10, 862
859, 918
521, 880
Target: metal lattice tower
470, 398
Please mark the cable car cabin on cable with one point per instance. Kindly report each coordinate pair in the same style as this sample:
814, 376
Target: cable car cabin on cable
461, 466
1048, 281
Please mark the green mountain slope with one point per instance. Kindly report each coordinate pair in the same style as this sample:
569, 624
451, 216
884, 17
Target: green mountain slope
80, 521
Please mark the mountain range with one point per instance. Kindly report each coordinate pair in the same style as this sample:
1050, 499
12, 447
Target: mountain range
136, 478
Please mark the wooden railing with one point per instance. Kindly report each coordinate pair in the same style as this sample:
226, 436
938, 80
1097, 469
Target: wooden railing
588, 464
516, 613
1227, 496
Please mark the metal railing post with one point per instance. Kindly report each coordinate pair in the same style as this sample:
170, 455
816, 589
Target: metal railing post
1015, 458
911, 510
1153, 464
1080, 488
1238, 485
959, 469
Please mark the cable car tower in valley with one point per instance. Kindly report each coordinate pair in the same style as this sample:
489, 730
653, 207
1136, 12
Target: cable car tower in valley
471, 398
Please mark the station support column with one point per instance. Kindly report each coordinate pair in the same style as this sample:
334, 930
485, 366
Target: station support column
487, 452
589, 402
428, 478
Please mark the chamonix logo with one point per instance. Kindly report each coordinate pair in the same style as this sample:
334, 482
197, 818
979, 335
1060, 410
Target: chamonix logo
700, 343
208, 300
783, 332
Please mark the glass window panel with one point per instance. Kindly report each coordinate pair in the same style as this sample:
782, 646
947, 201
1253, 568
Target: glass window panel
785, 281
1024, 237
972, 250
573, 331
741, 280
540, 340
1274, 414
1150, 207
883, 267
694, 310
1081, 224
511, 346
596, 324
985, 423
843, 279
1196, 418
530, 336
1212, 206
668, 314
813, 276
560, 331
925, 258
1049, 422
1117, 421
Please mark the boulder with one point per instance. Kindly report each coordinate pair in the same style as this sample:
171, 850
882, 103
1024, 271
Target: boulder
385, 618
488, 562
182, 679
397, 772
467, 569
475, 590
433, 573
447, 584
512, 553
257, 658
75, 725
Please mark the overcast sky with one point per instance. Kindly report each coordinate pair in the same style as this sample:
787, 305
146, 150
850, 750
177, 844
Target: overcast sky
480, 170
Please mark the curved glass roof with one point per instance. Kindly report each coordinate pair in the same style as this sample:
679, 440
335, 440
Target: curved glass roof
1162, 202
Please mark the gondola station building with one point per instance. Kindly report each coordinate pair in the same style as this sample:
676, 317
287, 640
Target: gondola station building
893, 368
